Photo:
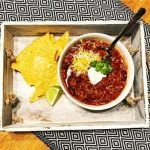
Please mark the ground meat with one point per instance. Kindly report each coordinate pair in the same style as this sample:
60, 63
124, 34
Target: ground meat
108, 89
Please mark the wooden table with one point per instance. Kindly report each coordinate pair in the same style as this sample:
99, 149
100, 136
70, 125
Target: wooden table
20, 141
28, 141
134, 5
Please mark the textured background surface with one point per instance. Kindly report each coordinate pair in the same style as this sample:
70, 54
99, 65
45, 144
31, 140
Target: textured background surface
135, 4
75, 10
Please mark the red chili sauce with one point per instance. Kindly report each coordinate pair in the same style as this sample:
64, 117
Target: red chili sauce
105, 91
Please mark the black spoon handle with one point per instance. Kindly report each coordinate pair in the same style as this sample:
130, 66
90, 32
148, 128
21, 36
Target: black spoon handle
135, 18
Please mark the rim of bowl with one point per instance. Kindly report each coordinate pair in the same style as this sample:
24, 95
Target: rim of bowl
130, 71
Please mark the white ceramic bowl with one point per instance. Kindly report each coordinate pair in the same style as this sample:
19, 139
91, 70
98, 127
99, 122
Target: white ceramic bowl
130, 71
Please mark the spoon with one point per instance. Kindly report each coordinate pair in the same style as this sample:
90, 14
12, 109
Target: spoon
134, 19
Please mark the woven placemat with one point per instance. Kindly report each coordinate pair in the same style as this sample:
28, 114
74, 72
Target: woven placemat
78, 10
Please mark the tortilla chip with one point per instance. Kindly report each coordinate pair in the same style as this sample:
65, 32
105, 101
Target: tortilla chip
38, 64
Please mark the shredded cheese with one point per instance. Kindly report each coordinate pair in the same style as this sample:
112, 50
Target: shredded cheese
83, 59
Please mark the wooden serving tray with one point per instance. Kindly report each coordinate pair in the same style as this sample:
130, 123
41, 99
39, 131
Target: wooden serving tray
65, 115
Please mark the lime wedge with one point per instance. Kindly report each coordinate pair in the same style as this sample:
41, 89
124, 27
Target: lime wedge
52, 94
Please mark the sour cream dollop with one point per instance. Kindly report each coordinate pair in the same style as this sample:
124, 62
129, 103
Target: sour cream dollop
68, 74
95, 76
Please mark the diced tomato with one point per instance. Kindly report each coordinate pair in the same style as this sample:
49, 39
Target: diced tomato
103, 53
108, 89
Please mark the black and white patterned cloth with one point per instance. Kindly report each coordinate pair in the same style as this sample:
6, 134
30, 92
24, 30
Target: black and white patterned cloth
78, 10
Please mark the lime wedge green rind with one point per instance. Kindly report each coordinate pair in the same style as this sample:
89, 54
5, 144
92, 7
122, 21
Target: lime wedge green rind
53, 94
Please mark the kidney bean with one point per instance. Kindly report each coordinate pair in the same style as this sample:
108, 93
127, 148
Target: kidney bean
108, 89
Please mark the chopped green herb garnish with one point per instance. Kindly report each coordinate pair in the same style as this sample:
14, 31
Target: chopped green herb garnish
93, 63
102, 66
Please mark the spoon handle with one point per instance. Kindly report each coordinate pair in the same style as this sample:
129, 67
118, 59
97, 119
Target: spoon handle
135, 18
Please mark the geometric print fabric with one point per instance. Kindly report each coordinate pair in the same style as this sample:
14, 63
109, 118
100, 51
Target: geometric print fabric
80, 10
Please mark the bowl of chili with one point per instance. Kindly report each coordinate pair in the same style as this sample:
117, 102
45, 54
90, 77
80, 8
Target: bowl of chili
93, 78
